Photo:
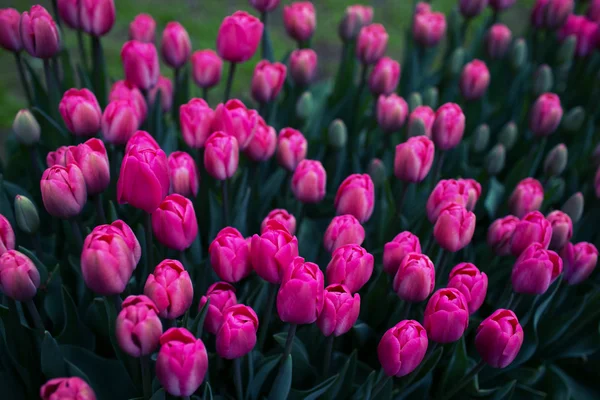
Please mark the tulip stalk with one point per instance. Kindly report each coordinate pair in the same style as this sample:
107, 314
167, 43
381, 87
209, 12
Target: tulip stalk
100, 215
52, 88
76, 231
380, 386
225, 189
266, 318
35, 315
146, 377
229, 84
468, 378
328, 352
288, 344
263, 40
23, 78
237, 378
82, 52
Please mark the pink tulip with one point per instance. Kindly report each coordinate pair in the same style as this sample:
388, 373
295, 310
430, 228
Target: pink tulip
300, 20
371, 43
474, 80
533, 228
57, 157
140, 64
175, 45
182, 362
593, 11
97, 16
562, 229
471, 282
415, 278
120, 121
340, 310
429, 28
141, 139
402, 348
498, 40
237, 335
527, 196
584, 30
123, 90
7, 235
144, 178
392, 111
473, 192
303, 66
165, 87
67, 388
10, 37
170, 288
92, 160
39, 33
63, 191
19, 278
471, 8
424, 114
222, 297
263, 143
196, 119
283, 217
535, 269
207, 67
236, 120
301, 295
446, 191
80, 112
385, 76
267, 81
454, 227
264, 6
356, 196
356, 17
238, 37
499, 338
343, 229
183, 174
579, 261
500, 234
448, 127
174, 222
273, 251
230, 255
142, 28
138, 327
120, 228
291, 148
551, 14
422, 7
500, 5
446, 316
414, 159
309, 181
545, 115
351, 266
221, 155
395, 251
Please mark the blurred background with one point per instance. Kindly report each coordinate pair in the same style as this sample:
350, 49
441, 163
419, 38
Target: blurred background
202, 18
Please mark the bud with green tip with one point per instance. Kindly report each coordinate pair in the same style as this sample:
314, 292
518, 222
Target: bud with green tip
457, 60
508, 135
566, 51
518, 54
573, 207
304, 106
337, 135
495, 159
481, 138
26, 128
414, 100
573, 119
556, 160
377, 172
26, 214
430, 97
543, 80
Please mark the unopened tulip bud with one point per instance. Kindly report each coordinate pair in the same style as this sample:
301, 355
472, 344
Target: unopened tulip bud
91, 157
238, 37
97, 17
448, 127
174, 222
579, 261
473, 192
356, 196
457, 60
340, 310
535, 269
593, 11
454, 227
63, 191
562, 229
299, 20
415, 278
165, 87
499, 338
28, 219
304, 106
10, 37
337, 134
508, 135
39, 33
428, 28
19, 278
263, 144
120, 121
518, 54
207, 68
392, 111
303, 66
237, 335
481, 138
414, 159
343, 229
446, 316
170, 288
196, 119
371, 44
402, 348
183, 174
498, 40
140, 63
81, 112
543, 80
527, 196
471, 8
267, 81
573, 119
551, 14
355, 18
421, 121
27, 129
309, 181
230, 255
221, 296
500, 234
471, 282
291, 148
545, 115
573, 207
495, 160
556, 160
138, 327
141, 139
142, 28
273, 251
175, 45
377, 172
585, 31
221, 155
414, 101
431, 96
395, 251
301, 295
67, 388
532, 228
385, 76
283, 217
350, 265
264, 5
446, 192
123, 90
474, 80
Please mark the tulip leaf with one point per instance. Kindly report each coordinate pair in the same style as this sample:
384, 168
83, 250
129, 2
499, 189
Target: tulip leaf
52, 361
160, 394
39, 91
216, 215
364, 391
494, 197
283, 382
299, 352
345, 379
50, 120
84, 78
241, 210
272, 187
99, 70
313, 393
74, 331
113, 215
207, 392
261, 376
456, 368
12, 190
38, 264
428, 365
197, 325
267, 46
308, 236
68, 74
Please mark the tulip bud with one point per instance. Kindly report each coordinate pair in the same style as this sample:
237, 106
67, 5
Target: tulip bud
140, 64
402, 348
63, 191
299, 20
144, 178
350, 266
551, 14
474, 80
356, 196
376, 171
183, 174
142, 28
175, 45
283, 217
415, 278
471, 8
238, 37
533, 228
340, 310
291, 148
499, 338
421, 121
10, 37
457, 60
428, 28
447, 191
562, 229
481, 138
123, 90
141, 139
67, 388
303, 66
495, 159
221, 296
573, 207
593, 11
448, 127
26, 128
414, 159
545, 115
518, 54
527, 196
431, 96
301, 295
371, 43
535, 269
385, 76
337, 134
392, 111
309, 181
264, 5
267, 81
579, 261
473, 192
585, 32
80, 112
120, 228
138, 327
39, 33
556, 160
182, 362
263, 144
500, 234
566, 50
304, 106
498, 40
170, 288
165, 87
508, 135
237, 335
543, 80
27, 218
207, 68
97, 17
343, 229
446, 316
221, 155
196, 119
454, 227
19, 278
471, 282
234, 119
414, 101
174, 222
273, 251
574, 119
92, 159
356, 17
57, 157
120, 121
395, 251
230, 255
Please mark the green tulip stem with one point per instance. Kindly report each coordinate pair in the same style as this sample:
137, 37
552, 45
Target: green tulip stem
52, 89
468, 378
35, 315
175, 103
266, 318
146, 378
117, 302
185, 397
23, 78
100, 215
229, 81
263, 40
149, 255
401, 199
380, 386
438, 167
328, 352
225, 188
76, 232
205, 94
56, 14
82, 52
237, 378
288, 343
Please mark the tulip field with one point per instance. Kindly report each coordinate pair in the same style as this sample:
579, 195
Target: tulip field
228, 208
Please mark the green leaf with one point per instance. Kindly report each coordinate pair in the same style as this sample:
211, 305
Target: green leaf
50, 120
299, 352
113, 215
99, 71
84, 78
241, 211
267, 366
494, 197
283, 382
74, 331
161, 394
309, 236
457, 367
216, 215
67, 69
52, 361
267, 46
38, 264
197, 325
429, 365
364, 391
207, 392
315, 392
345, 379
273, 186
554, 383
